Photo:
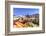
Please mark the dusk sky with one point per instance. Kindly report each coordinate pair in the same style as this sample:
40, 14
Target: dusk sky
24, 11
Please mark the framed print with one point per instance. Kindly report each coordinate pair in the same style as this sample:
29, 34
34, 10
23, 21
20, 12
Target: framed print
24, 17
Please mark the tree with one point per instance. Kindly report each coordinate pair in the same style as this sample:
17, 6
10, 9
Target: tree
28, 16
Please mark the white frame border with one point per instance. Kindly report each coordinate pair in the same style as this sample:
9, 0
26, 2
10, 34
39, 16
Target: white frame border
25, 29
